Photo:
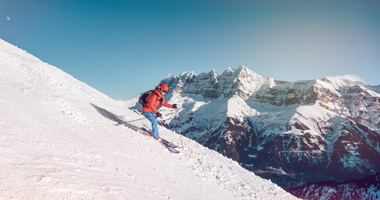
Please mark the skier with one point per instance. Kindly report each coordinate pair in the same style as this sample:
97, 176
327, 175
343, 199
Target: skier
149, 107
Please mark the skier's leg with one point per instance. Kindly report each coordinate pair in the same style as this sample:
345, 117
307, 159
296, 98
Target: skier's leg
152, 118
154, 126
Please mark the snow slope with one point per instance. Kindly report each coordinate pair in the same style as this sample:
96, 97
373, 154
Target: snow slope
58, 141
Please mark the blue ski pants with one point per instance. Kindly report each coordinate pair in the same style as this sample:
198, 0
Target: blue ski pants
153, 119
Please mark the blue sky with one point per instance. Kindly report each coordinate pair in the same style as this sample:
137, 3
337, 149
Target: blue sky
123, 48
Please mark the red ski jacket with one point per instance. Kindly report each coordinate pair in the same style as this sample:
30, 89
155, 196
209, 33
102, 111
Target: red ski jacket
153, 101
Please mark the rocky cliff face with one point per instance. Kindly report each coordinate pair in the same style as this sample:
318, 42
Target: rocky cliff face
291, 132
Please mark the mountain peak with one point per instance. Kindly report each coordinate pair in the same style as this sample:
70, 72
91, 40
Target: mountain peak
228, 72
344, 81
187, 76
243, 68
244, 72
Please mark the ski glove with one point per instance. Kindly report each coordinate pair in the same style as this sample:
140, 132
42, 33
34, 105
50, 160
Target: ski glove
158, 114
175, 106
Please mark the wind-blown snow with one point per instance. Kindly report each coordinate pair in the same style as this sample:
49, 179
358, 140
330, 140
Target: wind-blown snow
58, 141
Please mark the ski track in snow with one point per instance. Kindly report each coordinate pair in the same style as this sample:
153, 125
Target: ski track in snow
58, 141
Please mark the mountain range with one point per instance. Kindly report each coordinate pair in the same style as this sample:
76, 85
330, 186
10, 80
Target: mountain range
293, 133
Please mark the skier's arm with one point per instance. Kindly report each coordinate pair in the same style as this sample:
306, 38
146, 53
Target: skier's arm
166, 104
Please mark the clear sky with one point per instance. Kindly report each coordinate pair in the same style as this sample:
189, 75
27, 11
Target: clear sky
125, 47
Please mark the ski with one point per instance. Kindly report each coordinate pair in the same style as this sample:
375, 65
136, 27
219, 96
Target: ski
169, 145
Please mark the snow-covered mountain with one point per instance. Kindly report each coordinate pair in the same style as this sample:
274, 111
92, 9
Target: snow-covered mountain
291, 132
58, 141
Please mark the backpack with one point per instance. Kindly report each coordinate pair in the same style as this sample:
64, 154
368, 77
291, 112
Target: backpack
144, 97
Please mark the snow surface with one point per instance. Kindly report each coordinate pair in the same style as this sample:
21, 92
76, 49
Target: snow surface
58, 141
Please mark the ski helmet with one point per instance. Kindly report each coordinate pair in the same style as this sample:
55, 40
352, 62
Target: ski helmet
163, 87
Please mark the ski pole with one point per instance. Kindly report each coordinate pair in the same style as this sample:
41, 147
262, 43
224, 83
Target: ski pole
179, 130
133, 120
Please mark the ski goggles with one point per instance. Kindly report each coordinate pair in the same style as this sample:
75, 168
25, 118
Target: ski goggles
162, 91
